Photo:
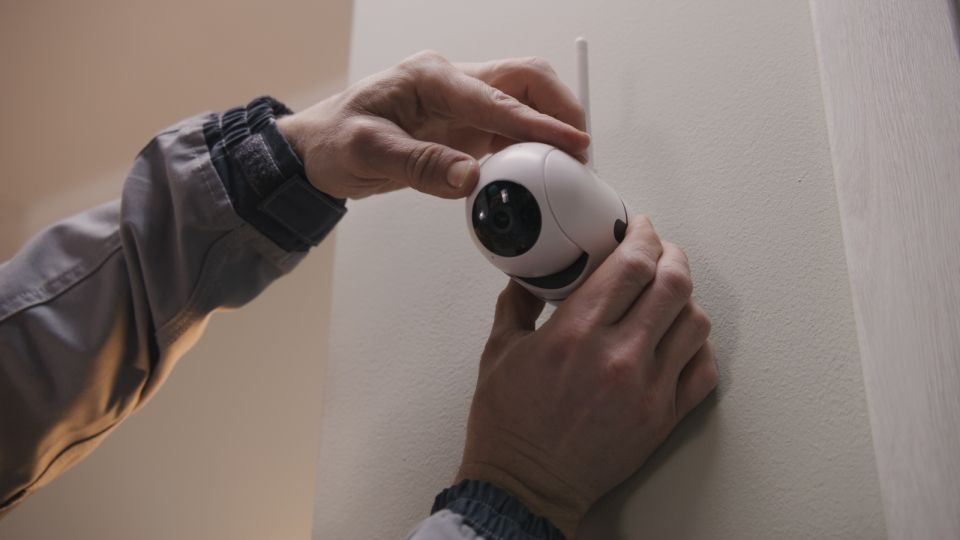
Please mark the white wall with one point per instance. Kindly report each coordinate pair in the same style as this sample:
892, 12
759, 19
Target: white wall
227, 449
891, 81
708, 116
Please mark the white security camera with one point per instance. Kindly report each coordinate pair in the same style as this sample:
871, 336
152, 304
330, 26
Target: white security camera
541, 216
544, 218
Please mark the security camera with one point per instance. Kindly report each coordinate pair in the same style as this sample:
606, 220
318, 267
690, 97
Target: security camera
543, 217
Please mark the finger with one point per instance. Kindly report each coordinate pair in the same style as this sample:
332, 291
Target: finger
381, 149
610, 291
549, 95
516, 313
660, 303
697, 380
489, 109
684, 338
451, 92
533, 81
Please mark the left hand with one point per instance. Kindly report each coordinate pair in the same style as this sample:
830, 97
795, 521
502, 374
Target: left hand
423, 123
565, 412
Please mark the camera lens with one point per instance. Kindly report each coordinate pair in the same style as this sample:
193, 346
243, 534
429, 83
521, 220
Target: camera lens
501, 220
506, 218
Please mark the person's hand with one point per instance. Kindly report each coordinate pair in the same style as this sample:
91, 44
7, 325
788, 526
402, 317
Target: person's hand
564, 413
424, 122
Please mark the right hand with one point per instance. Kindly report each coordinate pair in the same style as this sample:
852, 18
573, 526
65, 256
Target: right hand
564, 413
423, 123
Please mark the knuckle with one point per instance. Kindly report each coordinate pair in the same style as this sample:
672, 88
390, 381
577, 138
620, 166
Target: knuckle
619, 370
701, 321
640, 231
709, 375
679, 253
642, 221
712, 376
425, 57
361, 136
424, 62
422, 162
676, 281
639, 264
500, 99
394, 87
431, 55
538, 65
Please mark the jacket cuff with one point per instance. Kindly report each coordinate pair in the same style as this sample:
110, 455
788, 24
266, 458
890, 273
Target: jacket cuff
494, 513
265, 178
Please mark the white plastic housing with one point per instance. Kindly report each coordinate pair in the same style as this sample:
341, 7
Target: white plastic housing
578, 211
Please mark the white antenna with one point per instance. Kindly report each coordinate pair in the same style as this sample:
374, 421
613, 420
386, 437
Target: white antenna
583, 91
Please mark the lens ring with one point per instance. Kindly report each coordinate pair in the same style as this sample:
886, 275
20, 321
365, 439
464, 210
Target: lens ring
506, 218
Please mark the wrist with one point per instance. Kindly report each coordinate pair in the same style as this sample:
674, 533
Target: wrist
264, 177
288, 128
563, 510
308, 133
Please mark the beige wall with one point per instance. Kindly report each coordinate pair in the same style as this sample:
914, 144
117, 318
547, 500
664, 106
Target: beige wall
227, 449
11, 224
709, 117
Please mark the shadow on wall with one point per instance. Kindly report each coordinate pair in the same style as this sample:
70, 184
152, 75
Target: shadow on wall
670, 509
673, 506
955, 8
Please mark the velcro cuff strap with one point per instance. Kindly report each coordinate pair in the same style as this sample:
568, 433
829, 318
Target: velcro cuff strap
303, 210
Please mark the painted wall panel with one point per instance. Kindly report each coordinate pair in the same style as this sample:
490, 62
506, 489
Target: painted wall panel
708, 117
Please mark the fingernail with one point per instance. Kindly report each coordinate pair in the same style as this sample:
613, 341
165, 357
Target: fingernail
459, 173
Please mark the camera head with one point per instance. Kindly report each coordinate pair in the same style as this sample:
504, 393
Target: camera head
544, 218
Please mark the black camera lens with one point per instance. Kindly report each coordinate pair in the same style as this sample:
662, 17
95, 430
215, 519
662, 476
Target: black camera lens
506, 218
501, 220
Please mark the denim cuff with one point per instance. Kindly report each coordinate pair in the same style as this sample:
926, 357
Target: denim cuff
494, 513
265, 178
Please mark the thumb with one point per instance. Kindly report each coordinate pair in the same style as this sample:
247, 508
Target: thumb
517, 312
428, 167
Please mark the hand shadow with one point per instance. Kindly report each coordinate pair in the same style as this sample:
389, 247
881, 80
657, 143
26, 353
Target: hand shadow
649, 504
663, 498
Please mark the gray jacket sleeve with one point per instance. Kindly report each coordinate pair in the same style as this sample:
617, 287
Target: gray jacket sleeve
96, 310
476, 510
444, 525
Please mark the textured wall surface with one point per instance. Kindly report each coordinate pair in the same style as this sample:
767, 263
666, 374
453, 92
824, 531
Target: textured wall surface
708, 117
891, 81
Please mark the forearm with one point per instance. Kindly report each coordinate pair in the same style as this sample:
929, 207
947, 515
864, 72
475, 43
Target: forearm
96, 311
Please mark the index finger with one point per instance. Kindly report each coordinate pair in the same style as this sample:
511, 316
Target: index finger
484, 107
534, 82
607, 295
